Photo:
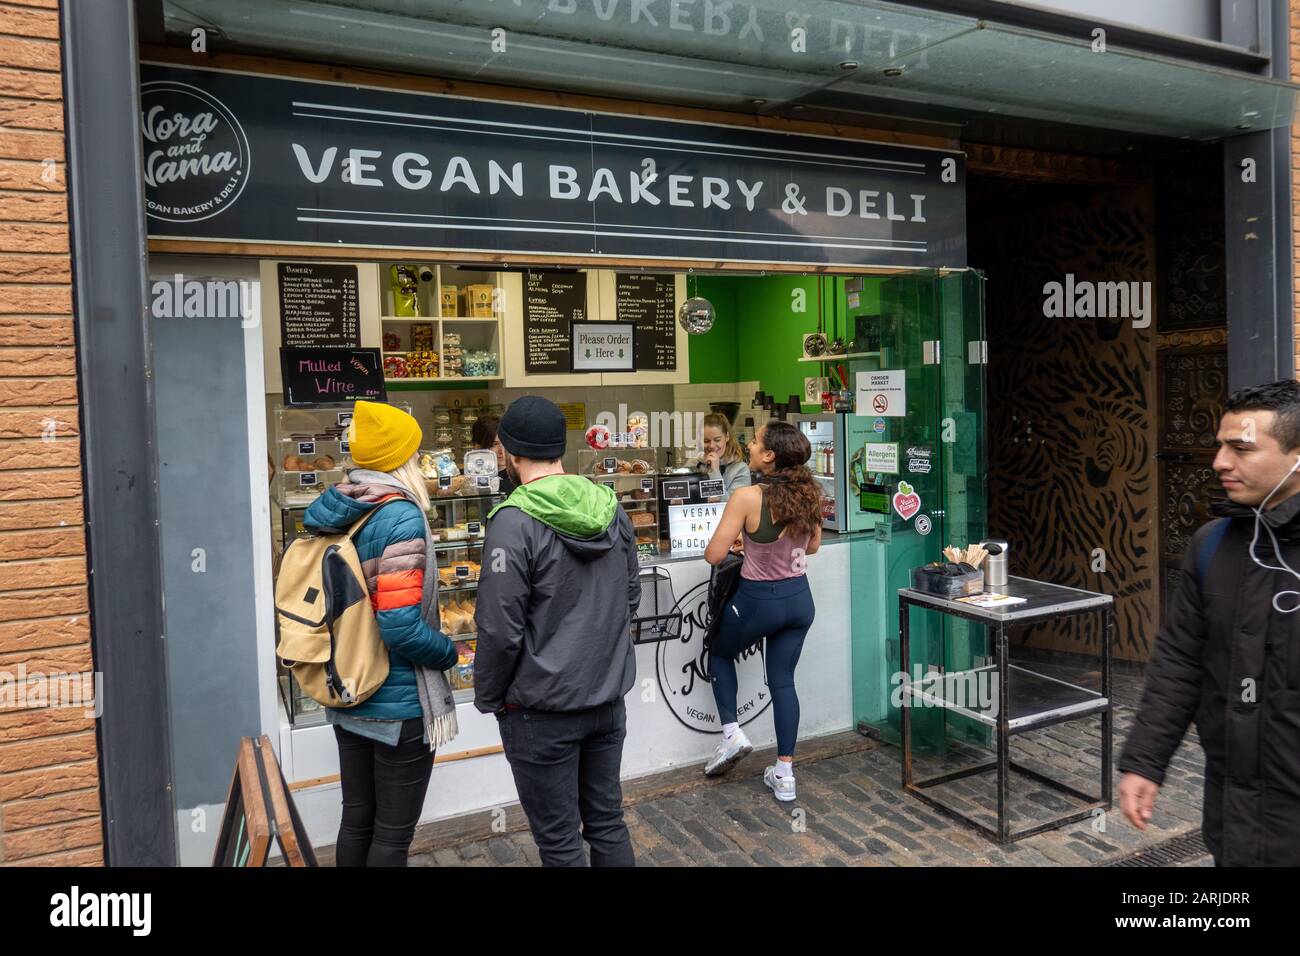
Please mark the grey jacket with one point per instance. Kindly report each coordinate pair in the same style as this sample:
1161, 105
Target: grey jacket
553, 615
735, 475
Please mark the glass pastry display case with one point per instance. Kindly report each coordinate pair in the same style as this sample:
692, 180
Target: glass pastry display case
630, 474
457, 522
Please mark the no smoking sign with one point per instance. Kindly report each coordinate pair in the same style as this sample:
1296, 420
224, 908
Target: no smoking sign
882, 393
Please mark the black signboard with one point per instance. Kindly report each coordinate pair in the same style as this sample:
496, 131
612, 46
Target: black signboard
240, 157
650, 302
711, 488
330, 376
318, 305
552, 302
675, 490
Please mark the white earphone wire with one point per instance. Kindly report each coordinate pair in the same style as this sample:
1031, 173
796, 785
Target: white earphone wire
1277, 550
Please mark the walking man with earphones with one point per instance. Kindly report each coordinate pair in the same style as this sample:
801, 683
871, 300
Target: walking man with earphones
1228, 656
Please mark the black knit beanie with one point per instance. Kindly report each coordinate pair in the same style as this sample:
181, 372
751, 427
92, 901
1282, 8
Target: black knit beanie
532, 427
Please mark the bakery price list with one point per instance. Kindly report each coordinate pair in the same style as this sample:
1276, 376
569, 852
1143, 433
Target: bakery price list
319, 306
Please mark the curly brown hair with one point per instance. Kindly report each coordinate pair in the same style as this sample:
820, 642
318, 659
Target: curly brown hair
793, 497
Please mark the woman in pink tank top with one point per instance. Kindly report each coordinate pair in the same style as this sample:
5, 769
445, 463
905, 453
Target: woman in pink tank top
779, 521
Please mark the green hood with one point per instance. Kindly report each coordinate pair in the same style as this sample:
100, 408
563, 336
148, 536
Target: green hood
570, 504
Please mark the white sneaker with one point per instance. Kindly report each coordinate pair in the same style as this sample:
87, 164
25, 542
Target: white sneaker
782, 787
728, 754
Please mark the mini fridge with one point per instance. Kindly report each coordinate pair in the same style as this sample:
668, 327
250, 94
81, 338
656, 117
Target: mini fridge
825, 433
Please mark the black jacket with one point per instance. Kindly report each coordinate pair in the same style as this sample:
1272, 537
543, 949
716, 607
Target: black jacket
1226, 659
554, 618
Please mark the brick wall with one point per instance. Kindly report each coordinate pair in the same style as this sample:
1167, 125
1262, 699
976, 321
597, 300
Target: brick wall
49, 781
1293, 18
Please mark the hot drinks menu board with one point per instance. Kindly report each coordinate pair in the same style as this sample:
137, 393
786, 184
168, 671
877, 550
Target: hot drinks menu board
319, 306
552, 302
331, 376
650, 302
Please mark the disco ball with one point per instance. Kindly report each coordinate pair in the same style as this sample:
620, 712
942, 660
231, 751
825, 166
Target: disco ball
696, 315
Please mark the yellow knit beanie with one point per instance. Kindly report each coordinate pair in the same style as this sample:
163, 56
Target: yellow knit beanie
382, 437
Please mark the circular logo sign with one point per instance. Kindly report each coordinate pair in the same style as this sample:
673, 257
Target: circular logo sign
922, 524
682, 667
196, 157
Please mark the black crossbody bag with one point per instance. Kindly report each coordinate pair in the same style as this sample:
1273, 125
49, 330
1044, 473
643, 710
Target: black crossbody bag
724, 580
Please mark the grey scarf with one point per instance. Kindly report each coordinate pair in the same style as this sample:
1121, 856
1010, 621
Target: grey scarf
436, 698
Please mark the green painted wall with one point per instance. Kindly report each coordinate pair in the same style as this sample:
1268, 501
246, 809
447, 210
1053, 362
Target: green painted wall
758, 334
714, 356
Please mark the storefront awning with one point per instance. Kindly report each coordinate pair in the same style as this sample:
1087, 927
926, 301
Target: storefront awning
858, 56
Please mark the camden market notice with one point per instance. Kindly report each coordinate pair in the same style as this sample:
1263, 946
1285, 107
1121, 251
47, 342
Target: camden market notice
238, 157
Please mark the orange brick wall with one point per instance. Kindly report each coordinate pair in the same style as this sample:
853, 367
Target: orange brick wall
49, 780
1293, 24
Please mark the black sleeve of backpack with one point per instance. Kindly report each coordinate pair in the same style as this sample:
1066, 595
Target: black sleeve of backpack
1173, 686
501, 608
633, 565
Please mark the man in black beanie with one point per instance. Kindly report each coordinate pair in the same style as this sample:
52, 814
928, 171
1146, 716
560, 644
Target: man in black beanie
556, 594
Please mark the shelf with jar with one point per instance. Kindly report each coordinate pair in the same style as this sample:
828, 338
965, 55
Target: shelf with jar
440, 324
630, 473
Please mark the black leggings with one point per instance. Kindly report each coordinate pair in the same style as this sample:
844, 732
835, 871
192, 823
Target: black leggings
780, 611
383, 793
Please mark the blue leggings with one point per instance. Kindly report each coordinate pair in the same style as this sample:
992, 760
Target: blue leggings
781, 611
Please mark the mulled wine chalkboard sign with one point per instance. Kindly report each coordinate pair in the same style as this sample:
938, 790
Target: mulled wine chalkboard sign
329, 376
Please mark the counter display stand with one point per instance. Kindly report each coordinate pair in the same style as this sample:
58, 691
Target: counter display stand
458, 525
1025, 699
315, 436
630, 474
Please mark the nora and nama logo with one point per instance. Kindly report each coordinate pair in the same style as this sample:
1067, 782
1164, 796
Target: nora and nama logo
196, 157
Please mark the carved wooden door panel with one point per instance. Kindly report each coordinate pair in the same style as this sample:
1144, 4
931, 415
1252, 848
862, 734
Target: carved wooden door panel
1193, 385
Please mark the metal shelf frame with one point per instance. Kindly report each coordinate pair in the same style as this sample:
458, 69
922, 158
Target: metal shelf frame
1026, 700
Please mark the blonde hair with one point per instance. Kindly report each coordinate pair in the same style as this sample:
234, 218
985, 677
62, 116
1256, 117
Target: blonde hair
408, 475
731, 450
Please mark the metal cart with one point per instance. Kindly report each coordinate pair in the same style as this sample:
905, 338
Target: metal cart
1026, 700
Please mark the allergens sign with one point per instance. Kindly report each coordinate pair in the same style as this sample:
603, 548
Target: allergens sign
691, 526
881, 457
882, 393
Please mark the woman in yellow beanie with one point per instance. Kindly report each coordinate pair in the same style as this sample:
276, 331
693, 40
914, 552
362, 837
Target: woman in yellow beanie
386, 743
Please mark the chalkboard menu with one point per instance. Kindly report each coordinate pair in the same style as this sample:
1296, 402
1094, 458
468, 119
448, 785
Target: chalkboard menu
329, 376
318, 306
650, 302
552, 301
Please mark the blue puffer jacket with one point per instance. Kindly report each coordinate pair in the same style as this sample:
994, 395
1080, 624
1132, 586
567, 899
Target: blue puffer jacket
393, 551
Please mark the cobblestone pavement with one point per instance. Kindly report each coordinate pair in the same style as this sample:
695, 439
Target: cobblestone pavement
851, 809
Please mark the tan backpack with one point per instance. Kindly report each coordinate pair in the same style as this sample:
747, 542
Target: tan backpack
326, 631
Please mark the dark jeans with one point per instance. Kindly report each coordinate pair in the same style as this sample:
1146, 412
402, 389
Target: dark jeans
383, 792
566, 767
781, 611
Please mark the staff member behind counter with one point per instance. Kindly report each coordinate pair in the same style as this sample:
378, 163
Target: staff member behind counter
722, 457
484, 435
